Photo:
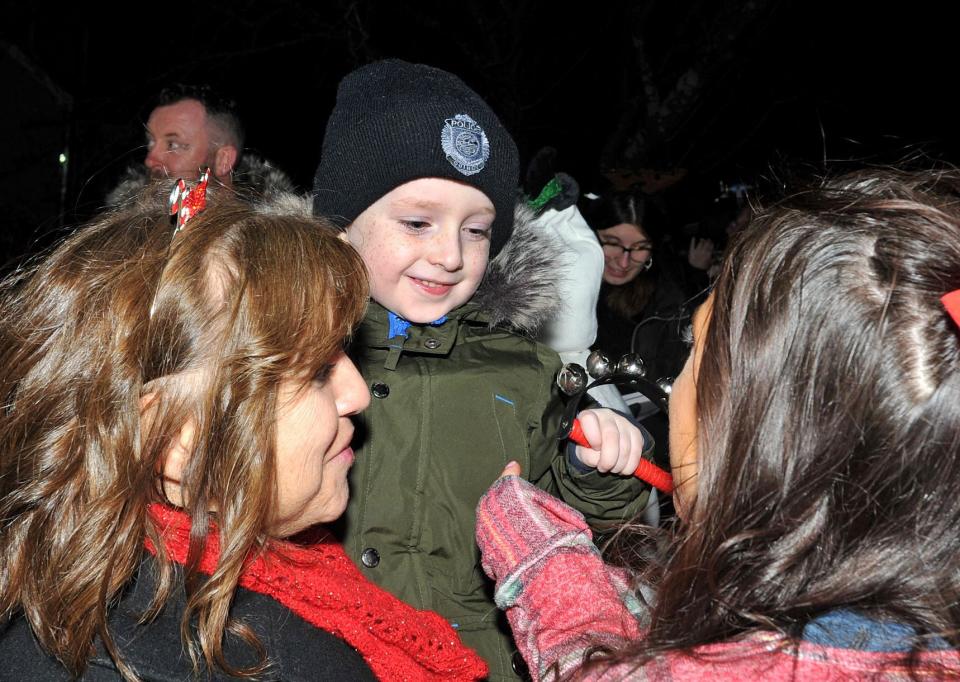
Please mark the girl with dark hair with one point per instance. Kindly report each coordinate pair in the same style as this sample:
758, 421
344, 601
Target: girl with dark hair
816, 446
177, 407
641, 308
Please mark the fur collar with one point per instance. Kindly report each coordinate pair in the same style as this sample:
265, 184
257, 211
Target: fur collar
254, 178
520, 289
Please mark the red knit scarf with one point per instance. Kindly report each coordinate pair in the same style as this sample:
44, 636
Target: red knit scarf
321, 585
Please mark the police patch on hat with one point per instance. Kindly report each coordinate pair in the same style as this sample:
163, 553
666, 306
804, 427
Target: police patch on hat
465, 144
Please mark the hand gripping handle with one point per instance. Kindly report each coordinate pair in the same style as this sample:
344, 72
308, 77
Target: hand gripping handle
646, 471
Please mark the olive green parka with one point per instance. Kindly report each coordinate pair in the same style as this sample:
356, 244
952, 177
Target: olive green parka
452, 404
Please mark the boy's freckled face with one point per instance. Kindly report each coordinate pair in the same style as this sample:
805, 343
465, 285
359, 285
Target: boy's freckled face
426, 245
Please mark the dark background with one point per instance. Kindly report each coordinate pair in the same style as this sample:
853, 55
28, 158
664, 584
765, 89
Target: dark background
680, 99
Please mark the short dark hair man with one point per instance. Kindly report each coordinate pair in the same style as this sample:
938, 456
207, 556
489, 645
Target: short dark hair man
190, 127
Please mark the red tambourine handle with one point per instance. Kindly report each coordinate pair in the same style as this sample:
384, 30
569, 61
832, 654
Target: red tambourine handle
646, 471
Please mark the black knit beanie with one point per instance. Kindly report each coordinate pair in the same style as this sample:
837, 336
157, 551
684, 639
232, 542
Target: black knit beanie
395, 122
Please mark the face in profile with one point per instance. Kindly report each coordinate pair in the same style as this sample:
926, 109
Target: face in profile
178, 140
684, 415
313, 446
626, 252
426, 245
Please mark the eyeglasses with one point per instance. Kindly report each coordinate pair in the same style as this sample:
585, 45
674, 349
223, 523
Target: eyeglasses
638, 252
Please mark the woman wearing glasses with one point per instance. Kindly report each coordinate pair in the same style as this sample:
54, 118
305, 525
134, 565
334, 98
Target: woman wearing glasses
641, 309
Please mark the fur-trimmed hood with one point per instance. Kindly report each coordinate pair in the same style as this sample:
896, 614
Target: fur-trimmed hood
521, 287
254, 178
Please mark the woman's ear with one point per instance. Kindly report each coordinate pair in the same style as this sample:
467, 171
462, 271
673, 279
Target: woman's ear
148, 411
175, 459
176, 455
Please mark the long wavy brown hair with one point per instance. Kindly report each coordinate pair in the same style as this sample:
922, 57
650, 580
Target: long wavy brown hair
241, 299
829, 440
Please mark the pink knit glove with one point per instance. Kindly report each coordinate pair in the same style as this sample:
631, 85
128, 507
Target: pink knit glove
519, 525
560, 598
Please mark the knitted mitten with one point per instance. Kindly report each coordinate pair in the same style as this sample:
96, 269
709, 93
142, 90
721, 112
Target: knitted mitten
518, 526
560, 598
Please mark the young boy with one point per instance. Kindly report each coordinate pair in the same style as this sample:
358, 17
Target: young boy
422, 176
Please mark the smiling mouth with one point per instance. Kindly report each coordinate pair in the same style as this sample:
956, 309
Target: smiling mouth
430, 287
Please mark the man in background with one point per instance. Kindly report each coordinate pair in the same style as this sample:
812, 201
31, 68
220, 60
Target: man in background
192, 127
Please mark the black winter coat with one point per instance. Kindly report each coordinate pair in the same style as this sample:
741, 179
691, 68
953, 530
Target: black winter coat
297, 649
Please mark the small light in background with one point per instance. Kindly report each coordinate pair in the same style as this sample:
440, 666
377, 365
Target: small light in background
63, 158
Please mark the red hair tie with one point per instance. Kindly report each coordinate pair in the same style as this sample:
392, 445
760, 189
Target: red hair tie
186, 203
951, 302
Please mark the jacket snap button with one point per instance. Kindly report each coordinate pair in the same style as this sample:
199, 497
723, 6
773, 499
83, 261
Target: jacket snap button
519, 666
380, 390
432, 344
370, 557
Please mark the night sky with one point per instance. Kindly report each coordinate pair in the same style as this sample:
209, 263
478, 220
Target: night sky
805, 85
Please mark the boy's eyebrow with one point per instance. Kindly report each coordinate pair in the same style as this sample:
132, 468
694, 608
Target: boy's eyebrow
432, 205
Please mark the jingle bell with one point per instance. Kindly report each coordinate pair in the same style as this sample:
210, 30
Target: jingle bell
665, 384
632, 364
598, 365
571, 378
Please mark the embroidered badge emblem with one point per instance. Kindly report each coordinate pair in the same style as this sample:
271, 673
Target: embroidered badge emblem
465, 144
